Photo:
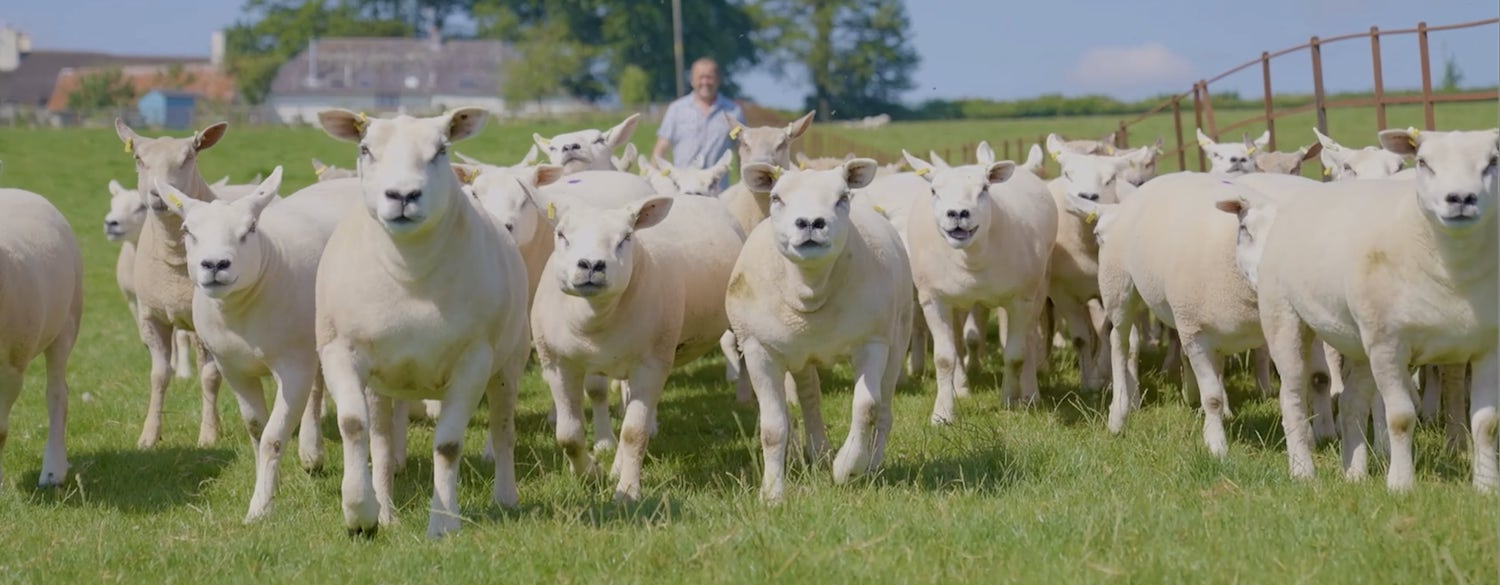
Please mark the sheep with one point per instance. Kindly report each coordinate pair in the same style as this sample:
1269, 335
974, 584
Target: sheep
1232, 158
1103, 146
1142, 164
127, 213
987, 241
768, 145
1196, 289
820, 279
1404, 275
396, 314
1286, 163
1035, 161
626, 160
630, 292
254, 269
689, 180
164, 292
821, 163
587, 149
1341, 163
327, 172
41, 307
893, 196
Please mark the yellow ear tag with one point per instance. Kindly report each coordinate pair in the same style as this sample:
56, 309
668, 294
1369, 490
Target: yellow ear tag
644, 172
1110, 150
551, 212
1327, 172
666, 172
880, 210
922, 172
129, 145
359, 125
734, 133
1055, 154
171, 198
1092, 217
801, 165
1250, 150
1202, 144
775, 173
318, 172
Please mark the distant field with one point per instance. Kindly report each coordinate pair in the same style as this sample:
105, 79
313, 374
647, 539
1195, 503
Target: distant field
1044, 495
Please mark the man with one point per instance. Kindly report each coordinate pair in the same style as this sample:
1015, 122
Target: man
694, 126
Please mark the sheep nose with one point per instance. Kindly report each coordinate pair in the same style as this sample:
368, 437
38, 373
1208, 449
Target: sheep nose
215, 266
1463, 198
595, 266
407, 197
1089, 196
510, 227
111, 223
803, 223
958, 214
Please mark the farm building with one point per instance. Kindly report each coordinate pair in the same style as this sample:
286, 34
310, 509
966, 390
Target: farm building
168, 109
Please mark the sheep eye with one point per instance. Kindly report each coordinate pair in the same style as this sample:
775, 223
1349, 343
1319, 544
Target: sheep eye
1422, 164
599, 140
1494, 161
776, 199
442, 149
364, 150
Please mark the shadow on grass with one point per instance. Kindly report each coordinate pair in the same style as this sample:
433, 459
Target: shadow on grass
980, 469
138, 481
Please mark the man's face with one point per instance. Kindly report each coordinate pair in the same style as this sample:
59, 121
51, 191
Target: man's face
706, 81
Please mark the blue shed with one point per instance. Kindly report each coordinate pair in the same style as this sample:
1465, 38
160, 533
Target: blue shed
168, 109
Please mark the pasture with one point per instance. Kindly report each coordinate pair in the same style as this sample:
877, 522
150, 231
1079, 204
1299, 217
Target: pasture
1040, 495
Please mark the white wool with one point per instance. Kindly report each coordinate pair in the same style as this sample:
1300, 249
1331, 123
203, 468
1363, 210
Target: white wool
587, 149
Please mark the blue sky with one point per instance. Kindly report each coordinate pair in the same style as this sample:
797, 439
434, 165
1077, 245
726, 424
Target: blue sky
976, 48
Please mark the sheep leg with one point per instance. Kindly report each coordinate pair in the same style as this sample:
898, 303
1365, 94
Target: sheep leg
182, 353
251, 396
1382, 439
810, 394
1484, 397
1208, 369
1262, 362
1047, 325
1323, 376
1090, 377
1354, 414
1100, 349
1122, 306
1171, 364
1388, 364
1190, 393
209, 379
468, 382
567, 396
976, 341
310, 434
918, 345
345, 374
1019, 385
734, 369
1427, 377
293, 385
885, 417
1454, 384
597, 389
400, 425
944, 326
55, 457
869, 367
769, 381
646, 382
383, 453
1290, 343
503, 391
10, 388
158, 339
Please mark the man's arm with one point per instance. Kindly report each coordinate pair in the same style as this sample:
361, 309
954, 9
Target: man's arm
664, 133
660, 150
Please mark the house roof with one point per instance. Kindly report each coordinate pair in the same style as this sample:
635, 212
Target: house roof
32, 82
366, 66
205, 81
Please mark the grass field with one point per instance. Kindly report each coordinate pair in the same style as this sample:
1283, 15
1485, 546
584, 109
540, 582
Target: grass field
1043, 495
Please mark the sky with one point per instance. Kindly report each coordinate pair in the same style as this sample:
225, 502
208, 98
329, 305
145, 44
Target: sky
978, 48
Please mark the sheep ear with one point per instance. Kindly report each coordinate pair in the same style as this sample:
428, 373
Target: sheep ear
983, 153
859, 172
1262, 142
725, 160
541, 141
799, 126
736, 129
661, 165
802, 160
760, 177
466, 159
620, 134
919, 166
209, 136
176, 200
344, 124
530, 158
937, 161
627, 158
1055, 145
1311, 150
644, 164
264, 193
318, 167
465, 173
115, 188
547, 174
1328, 143
465, 122
651, 211
1083, 209
1000, 172
1204, 140
127, 136
1402, 142
1236, 206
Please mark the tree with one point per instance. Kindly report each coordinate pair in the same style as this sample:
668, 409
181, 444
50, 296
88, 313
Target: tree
103, 89
635, 86
549, 58
1452, 75
273, 31
176, 77
855, 53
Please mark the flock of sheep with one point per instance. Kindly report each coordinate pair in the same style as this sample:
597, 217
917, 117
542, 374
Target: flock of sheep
416, 285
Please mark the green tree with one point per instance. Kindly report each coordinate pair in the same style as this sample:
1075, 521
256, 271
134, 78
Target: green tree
1452, 75
103, 89
856, 54
548, 59
635, 86
273, 31
176, 77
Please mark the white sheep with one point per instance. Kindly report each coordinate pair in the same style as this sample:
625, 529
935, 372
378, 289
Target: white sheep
164, 293
985, 240
1342, 163
1404, 274
127, 214
820, 279
626, 160
690, 180
1232, 158
41, 307
327, 172
398, 315
254, 271
768, 145
630, 292
587, 149
821, 163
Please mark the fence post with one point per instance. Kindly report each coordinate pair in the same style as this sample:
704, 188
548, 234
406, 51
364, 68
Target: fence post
1426, 76
1198, 120
1379, 78
1122, 137
1316, 49
1005, 145
1177, 125
1265, 74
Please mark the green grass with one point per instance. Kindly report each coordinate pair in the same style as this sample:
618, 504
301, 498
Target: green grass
1044, 495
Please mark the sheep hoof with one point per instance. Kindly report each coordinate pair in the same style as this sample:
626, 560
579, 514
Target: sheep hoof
365, 532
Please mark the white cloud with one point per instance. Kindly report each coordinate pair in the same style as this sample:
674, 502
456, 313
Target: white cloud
1151, 67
